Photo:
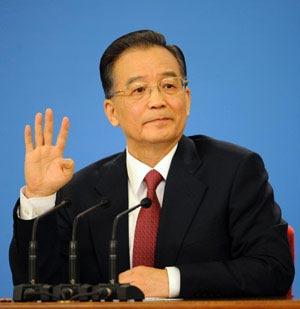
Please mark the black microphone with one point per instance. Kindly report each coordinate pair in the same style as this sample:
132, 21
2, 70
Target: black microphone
73, 288
145, 203
104, 203
114, 290
33, 244
34, 291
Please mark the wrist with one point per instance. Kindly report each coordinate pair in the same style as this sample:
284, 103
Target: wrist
34, 193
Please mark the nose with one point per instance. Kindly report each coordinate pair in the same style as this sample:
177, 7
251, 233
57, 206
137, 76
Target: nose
155, 97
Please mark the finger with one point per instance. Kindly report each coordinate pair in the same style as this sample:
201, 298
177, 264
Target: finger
63, 134
125, 277
48, 129
28, 139
38, 132
68, 164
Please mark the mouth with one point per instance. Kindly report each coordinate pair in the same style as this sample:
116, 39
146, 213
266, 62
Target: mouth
158, 120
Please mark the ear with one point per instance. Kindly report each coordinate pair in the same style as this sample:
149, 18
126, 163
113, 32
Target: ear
188, 100
110, 112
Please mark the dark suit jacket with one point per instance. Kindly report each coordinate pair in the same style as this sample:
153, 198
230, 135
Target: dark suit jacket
219, 224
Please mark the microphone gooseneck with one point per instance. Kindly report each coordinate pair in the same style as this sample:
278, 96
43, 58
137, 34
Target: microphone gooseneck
145, 203
37, 219
32, 255
104, 203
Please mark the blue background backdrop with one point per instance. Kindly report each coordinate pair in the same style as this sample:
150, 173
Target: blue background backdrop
243, 66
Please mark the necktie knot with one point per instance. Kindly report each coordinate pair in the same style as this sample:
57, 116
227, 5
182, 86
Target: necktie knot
152, 179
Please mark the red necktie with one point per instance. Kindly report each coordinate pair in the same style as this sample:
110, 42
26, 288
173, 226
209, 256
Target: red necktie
147, 224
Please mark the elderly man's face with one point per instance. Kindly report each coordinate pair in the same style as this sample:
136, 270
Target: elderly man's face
155, 117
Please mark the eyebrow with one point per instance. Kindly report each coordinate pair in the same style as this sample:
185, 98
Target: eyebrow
164, 74
169, 73
133, 79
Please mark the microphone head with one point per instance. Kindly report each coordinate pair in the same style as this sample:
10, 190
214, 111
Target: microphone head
146, 202
67, 202
64, 203
104, 203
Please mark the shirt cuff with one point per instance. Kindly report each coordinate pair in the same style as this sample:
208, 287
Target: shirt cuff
174, 281
30, 208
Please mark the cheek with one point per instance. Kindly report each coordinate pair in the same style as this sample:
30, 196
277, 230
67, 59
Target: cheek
180, 109
130, 116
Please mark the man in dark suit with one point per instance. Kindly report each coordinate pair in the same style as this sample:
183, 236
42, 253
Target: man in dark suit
213, 230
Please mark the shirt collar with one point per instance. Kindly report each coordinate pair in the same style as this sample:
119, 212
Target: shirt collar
137, 170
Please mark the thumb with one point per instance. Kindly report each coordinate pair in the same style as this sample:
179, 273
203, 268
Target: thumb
68, 164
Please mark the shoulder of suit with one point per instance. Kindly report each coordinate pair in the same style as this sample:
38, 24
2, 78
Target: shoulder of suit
225, 156
208, 146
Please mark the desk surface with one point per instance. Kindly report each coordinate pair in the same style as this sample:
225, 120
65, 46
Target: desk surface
211, 304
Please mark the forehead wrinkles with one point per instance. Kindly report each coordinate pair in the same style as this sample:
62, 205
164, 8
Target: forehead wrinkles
147, 63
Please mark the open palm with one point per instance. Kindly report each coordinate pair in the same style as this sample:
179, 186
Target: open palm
46, 171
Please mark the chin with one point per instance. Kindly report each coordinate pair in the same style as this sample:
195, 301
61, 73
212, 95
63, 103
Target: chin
159, 138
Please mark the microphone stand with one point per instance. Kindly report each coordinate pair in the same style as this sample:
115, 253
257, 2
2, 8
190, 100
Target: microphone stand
33, 290
145, 203
115, 290
66, 291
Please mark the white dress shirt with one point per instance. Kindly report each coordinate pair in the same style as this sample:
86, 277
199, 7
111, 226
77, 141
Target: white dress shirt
30, 208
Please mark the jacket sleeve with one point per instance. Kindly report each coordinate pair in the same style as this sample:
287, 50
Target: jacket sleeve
260, 263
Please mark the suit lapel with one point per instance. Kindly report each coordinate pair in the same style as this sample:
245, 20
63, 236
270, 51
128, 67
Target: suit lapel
113, 186
182, 198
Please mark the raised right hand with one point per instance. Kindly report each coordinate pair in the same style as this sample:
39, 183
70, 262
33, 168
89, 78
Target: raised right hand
46, 171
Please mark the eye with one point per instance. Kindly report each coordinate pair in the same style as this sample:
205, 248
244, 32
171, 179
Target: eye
138, 90
169, 86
